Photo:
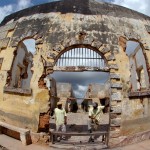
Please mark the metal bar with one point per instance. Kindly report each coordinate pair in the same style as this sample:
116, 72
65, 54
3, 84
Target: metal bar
60, 61
97, 59
78, 54
67, 58
88, 61
64, 59
77, 59
90, 55
71, 58
82, 57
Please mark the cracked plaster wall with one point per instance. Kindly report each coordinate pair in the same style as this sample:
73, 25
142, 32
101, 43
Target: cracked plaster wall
53, 32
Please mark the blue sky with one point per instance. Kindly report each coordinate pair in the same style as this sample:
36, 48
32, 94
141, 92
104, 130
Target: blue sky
34, 2
9, 6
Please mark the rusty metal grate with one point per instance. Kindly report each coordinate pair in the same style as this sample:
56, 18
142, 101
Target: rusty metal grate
81, 57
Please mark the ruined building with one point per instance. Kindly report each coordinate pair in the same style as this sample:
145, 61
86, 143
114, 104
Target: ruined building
64, 91
77, 26
99, 93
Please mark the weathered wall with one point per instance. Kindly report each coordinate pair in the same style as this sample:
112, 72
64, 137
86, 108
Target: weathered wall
97, 90
64, 91
138, 62
54, 32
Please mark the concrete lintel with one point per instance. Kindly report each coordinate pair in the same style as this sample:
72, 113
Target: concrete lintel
139, 93
114, 76
116, 85
19, 91
113, 66
80, 68
116, 96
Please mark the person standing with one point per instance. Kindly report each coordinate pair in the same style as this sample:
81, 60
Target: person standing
94, 118
60, 119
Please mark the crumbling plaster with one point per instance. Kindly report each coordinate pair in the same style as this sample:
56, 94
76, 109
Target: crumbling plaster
54, 32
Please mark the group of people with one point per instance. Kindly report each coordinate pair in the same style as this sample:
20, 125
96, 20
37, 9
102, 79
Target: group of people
92, 122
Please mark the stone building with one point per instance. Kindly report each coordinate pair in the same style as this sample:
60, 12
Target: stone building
64, 91
77, 26
99, 93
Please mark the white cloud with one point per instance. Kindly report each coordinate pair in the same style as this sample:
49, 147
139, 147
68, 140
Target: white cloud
78, 94
5, 10
137, 5
11, 8
80, 90
82, 87
23, 4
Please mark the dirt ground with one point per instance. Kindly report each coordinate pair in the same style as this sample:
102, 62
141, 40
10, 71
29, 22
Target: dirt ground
77, 122
3, 148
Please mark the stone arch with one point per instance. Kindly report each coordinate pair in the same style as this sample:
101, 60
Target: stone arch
123, 43
102, 50
82, 46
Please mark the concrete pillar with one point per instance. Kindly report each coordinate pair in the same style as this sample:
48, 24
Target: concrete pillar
23, 138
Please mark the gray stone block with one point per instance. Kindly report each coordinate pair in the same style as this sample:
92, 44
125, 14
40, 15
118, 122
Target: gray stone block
3, 35
97, 44
116, 122
49, 64
113, 66
146, 47
88, 40
116, 109
116, 85
116, 96
51, 55
105, 50
4, 43
114, 76
8, 27
147, 28
110, 57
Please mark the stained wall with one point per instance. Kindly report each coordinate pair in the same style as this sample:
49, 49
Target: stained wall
56, 31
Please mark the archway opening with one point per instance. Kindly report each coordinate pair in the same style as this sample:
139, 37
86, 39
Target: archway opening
139, 74
19, 77
80, 77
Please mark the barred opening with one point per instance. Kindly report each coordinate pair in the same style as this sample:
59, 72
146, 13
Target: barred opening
81, 57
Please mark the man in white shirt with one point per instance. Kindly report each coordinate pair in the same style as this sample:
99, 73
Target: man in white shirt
94, 118
60, 119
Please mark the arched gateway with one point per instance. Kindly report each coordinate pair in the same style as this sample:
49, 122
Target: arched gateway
88, 27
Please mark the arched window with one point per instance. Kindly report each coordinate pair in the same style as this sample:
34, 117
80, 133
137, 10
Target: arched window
139, 74
81, 57
21, 69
